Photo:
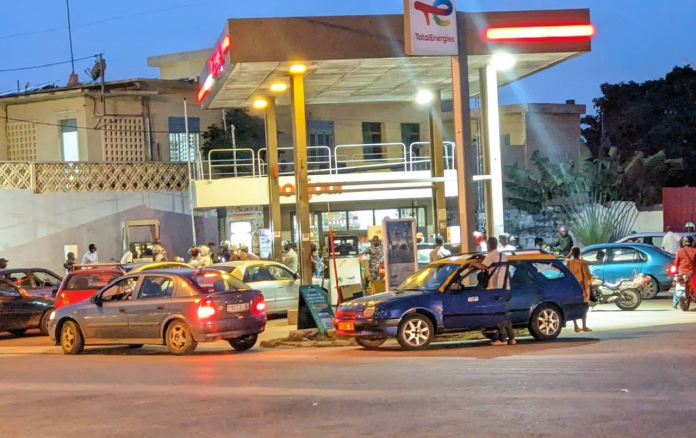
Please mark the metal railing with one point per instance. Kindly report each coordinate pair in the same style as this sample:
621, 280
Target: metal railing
376, 160
422, 162
319, 160
234, 166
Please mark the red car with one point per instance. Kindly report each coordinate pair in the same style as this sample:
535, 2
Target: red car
83, 284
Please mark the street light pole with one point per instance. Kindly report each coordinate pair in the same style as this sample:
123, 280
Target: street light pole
273, 175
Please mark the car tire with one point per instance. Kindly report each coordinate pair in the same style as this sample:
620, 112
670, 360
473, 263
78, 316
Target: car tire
546, 323
71, 339
370, 343
179, 339
651, 290
17, 332
632, 301
244, 343
416, 332
684, 304
43, 324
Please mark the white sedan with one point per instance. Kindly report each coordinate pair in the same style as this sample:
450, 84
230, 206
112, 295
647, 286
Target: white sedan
279, 285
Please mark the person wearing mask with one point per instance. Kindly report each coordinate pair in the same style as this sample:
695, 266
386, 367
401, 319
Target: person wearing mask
69, 264
671, 241
578, 267
685, 261
375, 251
3, 263
493, 264
564, 242
504, 245
440, 252
290, 258
91, 257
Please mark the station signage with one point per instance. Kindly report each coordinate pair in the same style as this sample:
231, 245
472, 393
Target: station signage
213, 68
430, 27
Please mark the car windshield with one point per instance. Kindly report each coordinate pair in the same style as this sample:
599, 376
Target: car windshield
212, 281
430, 277
94, 281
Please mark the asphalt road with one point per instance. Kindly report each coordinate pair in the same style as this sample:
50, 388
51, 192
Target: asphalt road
632, 376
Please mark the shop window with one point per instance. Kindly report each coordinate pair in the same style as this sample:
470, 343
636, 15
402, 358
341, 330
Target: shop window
505, 140
386, 214
321, 133
360, 220
417, 213
177, 138
335, 220
372, 134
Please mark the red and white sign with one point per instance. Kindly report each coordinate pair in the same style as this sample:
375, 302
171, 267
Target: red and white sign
430, 27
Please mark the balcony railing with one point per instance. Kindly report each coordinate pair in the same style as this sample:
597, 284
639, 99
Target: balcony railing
88, 177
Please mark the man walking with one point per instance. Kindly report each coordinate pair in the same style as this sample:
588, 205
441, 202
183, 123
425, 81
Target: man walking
376, 256
91, 257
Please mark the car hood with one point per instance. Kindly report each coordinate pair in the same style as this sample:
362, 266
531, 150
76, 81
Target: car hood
372, 300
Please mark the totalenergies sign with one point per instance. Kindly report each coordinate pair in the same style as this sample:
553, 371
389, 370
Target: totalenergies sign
214, 67
431, 27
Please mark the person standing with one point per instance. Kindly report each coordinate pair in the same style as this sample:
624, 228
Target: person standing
69, 264
3, 263
90, 257
504, 245
480, 238
375, 251
579, 269
685, 261
290, 259
440, 252
494, 265
671, 241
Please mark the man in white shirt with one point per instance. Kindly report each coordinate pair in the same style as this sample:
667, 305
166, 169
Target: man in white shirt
670, 242
504, 245
90, 257
290, 259
440, 252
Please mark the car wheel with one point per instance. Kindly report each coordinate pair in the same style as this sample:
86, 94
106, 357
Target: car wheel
179, 339
651, 290
546, 323
629, 299
370, 343
17, 332
415, 332
684, 304
71, 339
43, 325
244, 343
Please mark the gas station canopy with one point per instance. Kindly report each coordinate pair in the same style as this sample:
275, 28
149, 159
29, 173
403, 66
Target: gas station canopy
357, 59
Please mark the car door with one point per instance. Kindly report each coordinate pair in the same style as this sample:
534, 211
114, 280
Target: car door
151, 306
110, 319
257, 277
10, 315
287, 287
621, 264
595, 261
525, 292
469, 305
45, 282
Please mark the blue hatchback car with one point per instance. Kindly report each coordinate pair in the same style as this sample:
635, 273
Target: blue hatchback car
612, 262
446, 297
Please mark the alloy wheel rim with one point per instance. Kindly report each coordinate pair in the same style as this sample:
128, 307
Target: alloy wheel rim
68, 337
178, 338
416, 332
548, 321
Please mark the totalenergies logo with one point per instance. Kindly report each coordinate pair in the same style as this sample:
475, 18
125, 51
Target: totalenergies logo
290, 189
439, 9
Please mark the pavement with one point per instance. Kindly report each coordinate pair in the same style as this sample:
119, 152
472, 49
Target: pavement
630, 377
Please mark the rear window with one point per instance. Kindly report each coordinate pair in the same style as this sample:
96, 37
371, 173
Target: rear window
89, 281
210, 282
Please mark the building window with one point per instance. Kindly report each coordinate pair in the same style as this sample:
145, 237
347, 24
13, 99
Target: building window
177, 138
71, 145
392, 213
372, 134
321, 133
21, 141
505, 140
410, 133
335, 220
417, 213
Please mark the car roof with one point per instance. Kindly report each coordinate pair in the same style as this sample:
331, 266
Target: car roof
244, 263
95, 271
511, 255
186, 272
642, 246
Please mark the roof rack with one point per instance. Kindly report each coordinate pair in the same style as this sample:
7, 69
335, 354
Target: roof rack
116, 265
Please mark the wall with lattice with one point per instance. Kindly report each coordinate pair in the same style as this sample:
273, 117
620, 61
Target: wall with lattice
21, 141
124, 139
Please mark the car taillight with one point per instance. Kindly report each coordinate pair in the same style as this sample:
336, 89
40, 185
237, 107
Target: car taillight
672, 270
339, 313
206, 309
258, 305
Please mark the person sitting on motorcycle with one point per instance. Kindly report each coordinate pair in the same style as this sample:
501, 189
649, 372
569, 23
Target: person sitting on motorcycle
564, 242
685, 261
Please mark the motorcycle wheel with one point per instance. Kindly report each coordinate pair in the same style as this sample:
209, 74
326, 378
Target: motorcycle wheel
684, 304
629, 300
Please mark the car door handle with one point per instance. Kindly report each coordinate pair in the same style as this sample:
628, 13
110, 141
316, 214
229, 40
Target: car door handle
122, 310
160, 307
497, 297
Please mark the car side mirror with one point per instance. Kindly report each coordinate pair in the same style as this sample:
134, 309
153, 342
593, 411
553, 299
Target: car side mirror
296, 276
96, 299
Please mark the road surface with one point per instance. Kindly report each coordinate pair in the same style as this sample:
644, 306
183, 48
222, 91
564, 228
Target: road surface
631, 377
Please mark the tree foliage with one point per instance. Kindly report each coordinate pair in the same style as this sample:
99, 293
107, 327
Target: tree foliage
249, 132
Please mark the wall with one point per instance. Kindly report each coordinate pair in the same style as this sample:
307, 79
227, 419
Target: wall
553, 133
36, 227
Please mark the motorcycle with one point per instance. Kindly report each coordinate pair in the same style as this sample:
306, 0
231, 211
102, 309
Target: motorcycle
686, 293
625, 293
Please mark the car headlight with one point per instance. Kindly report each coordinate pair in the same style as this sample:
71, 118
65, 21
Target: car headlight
369, 311
52, 315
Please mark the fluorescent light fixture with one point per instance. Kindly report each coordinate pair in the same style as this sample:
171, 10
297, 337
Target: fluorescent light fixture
503, 61
424, 97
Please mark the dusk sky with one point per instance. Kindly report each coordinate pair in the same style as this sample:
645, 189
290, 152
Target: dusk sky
636, 40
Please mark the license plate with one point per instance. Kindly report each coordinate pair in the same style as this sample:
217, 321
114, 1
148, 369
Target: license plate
233, 308
346, 326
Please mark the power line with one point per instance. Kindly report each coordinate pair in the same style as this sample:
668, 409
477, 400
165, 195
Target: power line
45, 65
103, 128
97, 22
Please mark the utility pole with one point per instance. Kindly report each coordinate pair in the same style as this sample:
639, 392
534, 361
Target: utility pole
73, 77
